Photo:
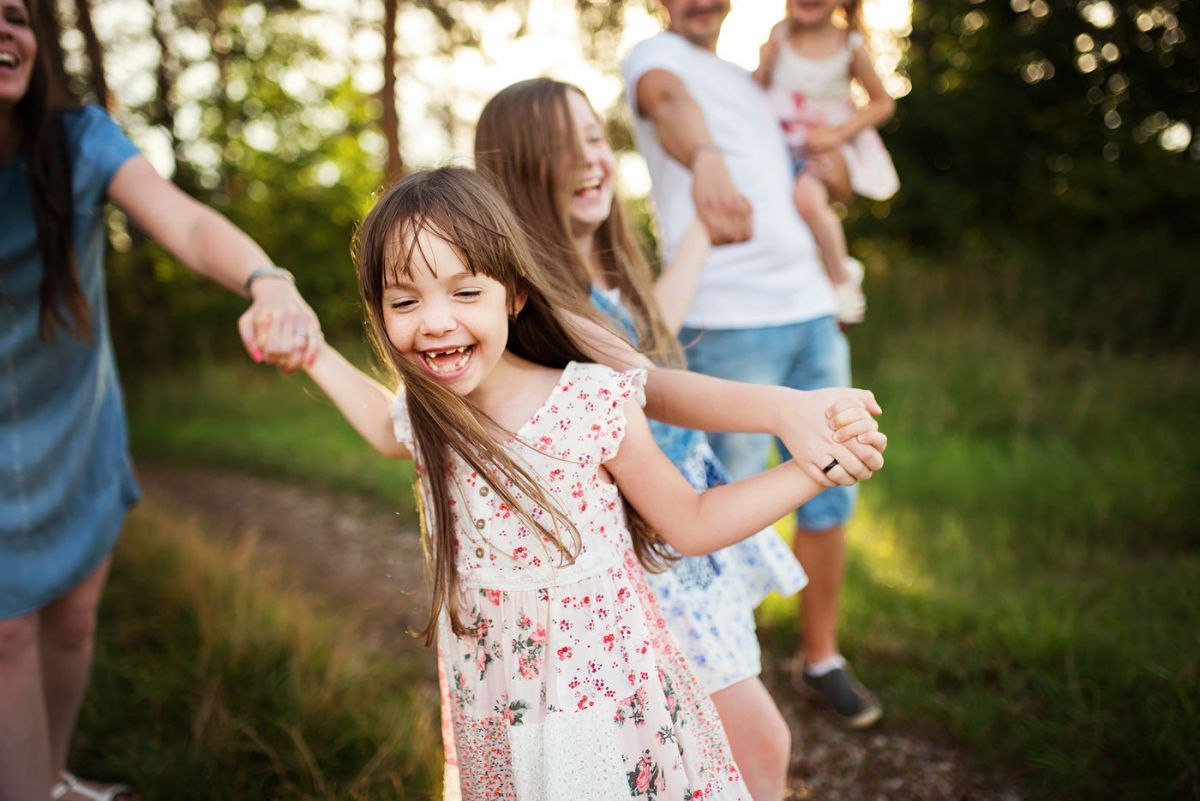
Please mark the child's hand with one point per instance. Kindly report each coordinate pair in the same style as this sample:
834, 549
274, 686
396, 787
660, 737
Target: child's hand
821, 138
288, 361
808, 424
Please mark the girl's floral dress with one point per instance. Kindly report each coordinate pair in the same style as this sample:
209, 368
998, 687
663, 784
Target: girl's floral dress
709, 601
568, 684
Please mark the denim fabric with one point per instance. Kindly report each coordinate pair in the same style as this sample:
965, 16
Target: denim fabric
65, 473
808, 355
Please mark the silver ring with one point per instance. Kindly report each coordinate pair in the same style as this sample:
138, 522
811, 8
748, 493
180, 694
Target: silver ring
301, 332
829, 467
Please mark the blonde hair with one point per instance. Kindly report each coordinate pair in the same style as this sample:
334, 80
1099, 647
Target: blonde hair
458, 206
526, 145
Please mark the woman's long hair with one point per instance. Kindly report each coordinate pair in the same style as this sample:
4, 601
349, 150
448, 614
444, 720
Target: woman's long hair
39, 122
461, 208
527, 146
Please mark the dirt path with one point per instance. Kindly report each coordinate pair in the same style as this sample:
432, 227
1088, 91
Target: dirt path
356, 552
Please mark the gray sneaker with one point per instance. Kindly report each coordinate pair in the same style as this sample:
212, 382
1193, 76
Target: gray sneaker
854, 706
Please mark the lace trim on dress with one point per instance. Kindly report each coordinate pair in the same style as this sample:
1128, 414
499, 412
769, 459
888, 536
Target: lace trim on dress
560, 758
401, 424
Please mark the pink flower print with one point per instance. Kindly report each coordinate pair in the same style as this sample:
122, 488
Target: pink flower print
493, 596
539, 636
557, 474
520, 552
564, 653
623, 594
545, 442
524, 622
643, 777
609, 641
527, 668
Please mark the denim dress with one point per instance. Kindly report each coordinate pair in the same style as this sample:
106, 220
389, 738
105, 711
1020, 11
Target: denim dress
709, 601
66, 478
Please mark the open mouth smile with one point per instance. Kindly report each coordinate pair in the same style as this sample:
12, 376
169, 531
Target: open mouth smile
8, 60
588, 188
447, 362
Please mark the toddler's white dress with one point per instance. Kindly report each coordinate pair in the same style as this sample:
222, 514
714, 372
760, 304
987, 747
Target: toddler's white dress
808, 92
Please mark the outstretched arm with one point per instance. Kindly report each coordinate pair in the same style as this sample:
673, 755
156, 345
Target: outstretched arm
212, 246
364, 402
676, 286
699, 523
817, 426
679, 123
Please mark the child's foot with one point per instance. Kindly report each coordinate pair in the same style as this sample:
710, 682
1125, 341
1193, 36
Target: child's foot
848, 296
850, 703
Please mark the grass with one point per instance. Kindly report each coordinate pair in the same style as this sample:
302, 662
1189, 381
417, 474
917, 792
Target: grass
215, 679
1024, 576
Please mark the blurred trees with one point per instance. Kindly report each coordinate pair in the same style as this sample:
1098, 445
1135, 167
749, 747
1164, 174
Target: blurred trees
1061, 135
1052, 142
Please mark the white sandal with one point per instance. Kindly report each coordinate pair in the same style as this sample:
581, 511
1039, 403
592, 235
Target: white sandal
71, 784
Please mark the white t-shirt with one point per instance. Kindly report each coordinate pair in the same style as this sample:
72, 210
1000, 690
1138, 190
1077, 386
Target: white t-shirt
776, 277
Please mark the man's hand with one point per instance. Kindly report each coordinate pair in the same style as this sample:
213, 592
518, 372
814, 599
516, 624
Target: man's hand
725, 212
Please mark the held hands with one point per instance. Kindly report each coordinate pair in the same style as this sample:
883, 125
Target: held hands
725, 211
836, 424
279, 327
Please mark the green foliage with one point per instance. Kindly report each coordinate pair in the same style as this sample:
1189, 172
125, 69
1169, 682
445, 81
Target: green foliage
1023, 574
215, 681
1040, 129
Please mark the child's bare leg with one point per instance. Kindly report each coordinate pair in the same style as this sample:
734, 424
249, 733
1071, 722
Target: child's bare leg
831, 169
758, 735
812, 201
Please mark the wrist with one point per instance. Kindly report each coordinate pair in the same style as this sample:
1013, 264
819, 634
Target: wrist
266, 276
700, 150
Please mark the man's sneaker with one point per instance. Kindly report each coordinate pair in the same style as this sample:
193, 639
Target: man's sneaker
854, 706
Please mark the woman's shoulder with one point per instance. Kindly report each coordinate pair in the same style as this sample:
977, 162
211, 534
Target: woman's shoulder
96, 141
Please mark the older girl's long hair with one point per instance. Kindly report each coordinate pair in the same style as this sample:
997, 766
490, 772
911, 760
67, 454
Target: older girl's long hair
43, 141
461, 208
527, 146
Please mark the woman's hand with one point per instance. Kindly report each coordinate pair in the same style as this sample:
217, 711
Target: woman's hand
822, 425
279, 327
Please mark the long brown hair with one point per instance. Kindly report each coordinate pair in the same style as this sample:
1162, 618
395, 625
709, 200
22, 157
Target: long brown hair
527, 145
461, 208
38, 117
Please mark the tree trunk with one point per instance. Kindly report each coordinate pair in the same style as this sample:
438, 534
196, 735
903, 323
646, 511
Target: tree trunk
95, 52
390, 119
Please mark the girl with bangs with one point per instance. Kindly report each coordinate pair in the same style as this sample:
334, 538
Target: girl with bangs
543, 146
545, 499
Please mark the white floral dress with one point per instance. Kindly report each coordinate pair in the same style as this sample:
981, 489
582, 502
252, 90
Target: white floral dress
568, 684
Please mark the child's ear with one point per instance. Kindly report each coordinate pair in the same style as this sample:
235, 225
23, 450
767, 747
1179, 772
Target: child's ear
518, 303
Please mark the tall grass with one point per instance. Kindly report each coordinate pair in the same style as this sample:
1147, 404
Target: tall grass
1024, 575
215, 680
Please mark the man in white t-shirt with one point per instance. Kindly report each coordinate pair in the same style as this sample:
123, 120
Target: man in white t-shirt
764, 309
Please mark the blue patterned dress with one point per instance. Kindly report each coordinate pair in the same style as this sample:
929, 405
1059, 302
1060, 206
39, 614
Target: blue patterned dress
709, 601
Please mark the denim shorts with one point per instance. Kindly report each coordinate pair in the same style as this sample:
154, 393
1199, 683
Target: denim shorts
810, 355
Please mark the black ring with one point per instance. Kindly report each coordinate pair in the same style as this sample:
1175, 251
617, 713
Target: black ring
830, 466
